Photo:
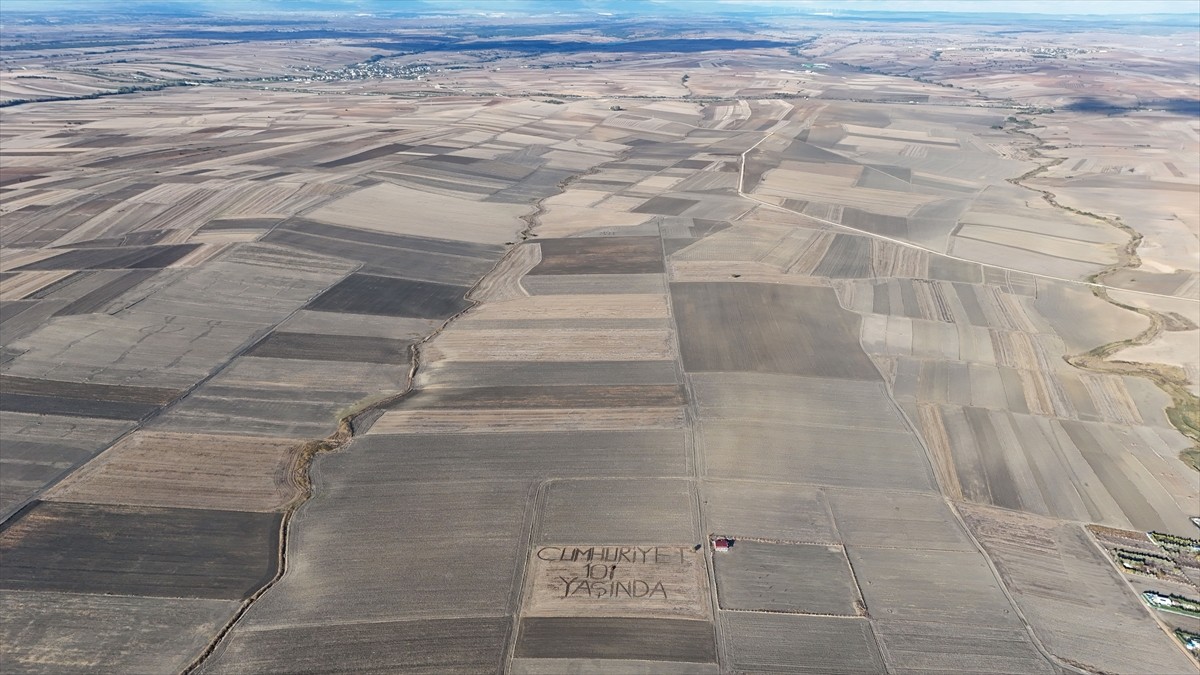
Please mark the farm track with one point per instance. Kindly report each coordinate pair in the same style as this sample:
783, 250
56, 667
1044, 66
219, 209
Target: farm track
1184, 412
300, 475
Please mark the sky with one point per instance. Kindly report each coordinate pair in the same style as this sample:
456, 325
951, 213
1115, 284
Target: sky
1104, 7
1059, 7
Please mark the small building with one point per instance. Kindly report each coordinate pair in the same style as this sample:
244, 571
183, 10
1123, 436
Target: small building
722, 544
1158, 599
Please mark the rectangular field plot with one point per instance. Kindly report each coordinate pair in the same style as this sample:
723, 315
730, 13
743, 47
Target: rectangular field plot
467, 645
19, 318
572, 396
948, 586
767, 511
779, 452
613, 306
495, 374
623, 666
963, 648
630, 344
1071, 596
791, 643
130, 257
97, 299
806, 578
251, 412
253, 283
359, 325
593, 284
667, 206
88, 548
398, 210
616, 638
896, 519
348, 348
282, 398
37, 449
182, 470
65, 633
493, 456
564, 324
75, 399
667, 581
861, 404
436, 260
405, 549
517, 420
630, 511
305, 380
600, 255
796, 330
389, 296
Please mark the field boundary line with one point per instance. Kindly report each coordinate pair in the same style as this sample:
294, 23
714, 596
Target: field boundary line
521, 580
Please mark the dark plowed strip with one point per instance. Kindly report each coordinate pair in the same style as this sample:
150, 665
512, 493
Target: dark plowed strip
63, 283
100, 297
595, 396
431, 646
601, 255
388, 296
347, 348
426, 244
144, 238
374, 153
666, 206
616, 638
12, 308
74, 407
92, 548
11, 384
144, 257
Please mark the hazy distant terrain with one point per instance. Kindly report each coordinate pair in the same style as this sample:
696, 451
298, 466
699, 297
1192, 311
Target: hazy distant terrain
367, 340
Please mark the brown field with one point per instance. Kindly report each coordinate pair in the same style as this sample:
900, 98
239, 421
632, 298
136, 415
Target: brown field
408, 355
163, 469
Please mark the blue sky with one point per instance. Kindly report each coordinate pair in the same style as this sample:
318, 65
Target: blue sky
1005, 6
1059, 7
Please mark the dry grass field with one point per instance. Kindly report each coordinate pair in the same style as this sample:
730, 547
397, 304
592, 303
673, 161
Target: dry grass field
321, 354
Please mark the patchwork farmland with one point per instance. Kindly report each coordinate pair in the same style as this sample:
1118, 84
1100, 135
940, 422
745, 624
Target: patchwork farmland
317, 373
